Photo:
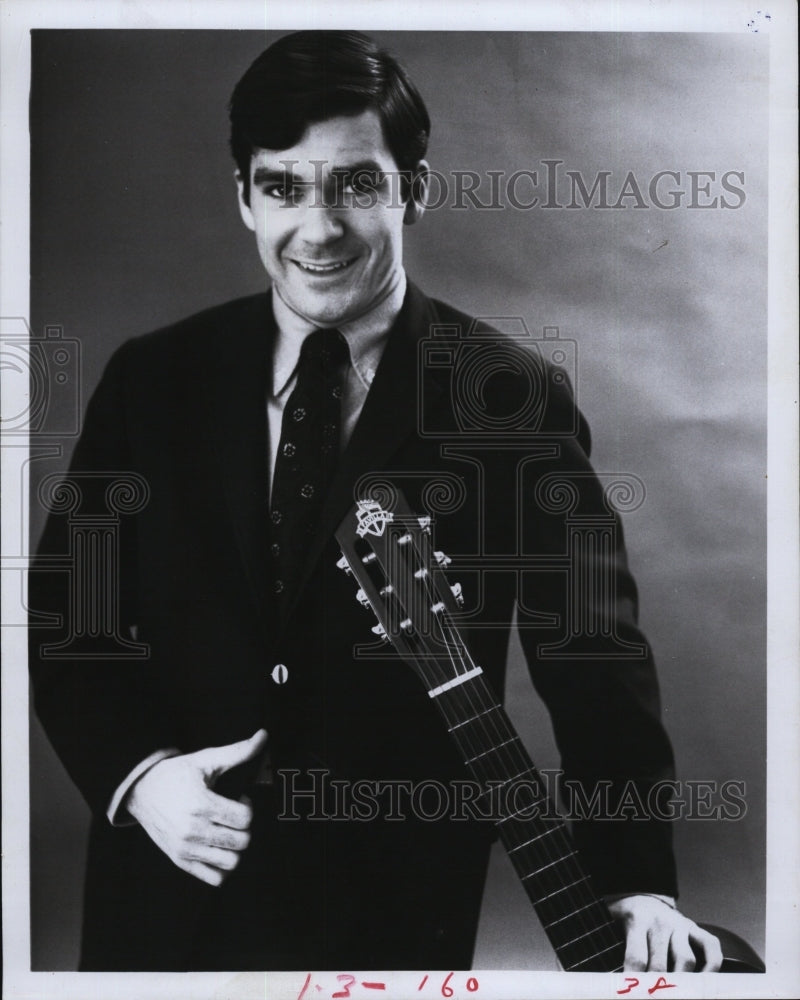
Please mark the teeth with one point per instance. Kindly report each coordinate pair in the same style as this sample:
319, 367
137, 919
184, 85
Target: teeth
323, 268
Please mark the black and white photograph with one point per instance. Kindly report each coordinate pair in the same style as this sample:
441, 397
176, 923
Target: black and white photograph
400, 501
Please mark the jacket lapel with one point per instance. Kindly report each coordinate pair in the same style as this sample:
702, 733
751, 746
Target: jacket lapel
239, 428
389, 416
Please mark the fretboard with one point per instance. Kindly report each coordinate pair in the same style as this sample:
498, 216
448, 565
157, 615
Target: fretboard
536, 838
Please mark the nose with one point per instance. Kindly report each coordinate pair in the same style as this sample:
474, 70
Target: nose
322, 224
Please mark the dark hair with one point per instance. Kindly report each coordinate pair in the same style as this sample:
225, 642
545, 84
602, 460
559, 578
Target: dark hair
310, 76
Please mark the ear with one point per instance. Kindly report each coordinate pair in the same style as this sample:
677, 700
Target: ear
244, 207
415, 207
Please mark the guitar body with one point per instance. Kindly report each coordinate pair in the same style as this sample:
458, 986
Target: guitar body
402, 579
738, 956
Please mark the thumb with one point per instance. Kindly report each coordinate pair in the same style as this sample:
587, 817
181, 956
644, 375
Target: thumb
216, 760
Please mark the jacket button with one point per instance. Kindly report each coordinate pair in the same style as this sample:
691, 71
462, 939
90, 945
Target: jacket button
279, 673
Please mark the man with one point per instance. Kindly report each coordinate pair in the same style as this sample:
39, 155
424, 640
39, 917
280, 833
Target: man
198, 860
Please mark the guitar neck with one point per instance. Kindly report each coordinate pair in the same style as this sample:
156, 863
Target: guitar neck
535, 837
402, 579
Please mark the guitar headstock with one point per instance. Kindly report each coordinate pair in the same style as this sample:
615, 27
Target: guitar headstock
401, 577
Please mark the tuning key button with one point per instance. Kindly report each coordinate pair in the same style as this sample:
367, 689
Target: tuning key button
456, 589
343, 564
361, 597
441, 558
380, 631
425, 524
279, 673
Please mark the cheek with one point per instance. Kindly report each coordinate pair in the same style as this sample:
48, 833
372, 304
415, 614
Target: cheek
380, 228
271, 236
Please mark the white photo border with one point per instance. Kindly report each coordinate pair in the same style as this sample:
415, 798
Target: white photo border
17, 18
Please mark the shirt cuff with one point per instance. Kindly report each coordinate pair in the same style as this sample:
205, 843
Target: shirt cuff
114, 807
668, 900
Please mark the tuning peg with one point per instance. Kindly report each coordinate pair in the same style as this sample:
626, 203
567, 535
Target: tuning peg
362, 598
380, 631
456, 589
425, 524
370, 557
441, 558
406, 625
404, 539
343, 564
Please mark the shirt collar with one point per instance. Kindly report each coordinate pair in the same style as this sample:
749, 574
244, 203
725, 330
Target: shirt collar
365, 336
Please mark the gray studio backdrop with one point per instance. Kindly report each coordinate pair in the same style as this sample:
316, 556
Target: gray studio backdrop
134, 225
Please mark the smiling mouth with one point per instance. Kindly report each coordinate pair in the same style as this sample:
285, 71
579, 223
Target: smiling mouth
324, 268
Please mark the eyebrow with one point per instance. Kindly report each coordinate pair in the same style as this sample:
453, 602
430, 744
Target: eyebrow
269, 175
265, 175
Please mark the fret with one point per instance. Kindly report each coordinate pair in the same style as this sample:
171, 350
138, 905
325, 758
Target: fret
499, 746
473, 718
520, 827
559, 906
590, 958
560, 920
518, 815
563, 888
530, 770
532, 840
586, 949
585, 934
545, 867
548, 878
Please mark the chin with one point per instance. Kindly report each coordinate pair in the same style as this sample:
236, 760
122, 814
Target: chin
330, 313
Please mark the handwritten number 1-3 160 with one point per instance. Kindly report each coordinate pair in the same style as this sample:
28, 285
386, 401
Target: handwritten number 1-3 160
347, 982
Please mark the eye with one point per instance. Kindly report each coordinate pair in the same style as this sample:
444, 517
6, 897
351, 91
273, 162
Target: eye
279, 192
363, 181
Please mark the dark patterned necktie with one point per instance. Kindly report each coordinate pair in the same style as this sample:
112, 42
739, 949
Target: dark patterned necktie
307, 454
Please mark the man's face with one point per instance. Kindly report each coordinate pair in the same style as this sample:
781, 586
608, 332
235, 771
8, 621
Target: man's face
331, 244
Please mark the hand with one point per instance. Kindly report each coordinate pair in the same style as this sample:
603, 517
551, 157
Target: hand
203, 833
661, 939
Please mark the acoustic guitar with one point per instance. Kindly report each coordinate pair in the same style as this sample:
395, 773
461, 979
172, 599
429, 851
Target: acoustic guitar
402, 578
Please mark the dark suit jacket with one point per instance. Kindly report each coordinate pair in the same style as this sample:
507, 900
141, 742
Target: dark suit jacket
185, 409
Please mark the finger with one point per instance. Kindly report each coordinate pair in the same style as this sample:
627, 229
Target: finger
215, 857
657, 948
226, 812
635, 949
226, 838
207, 874
709, 947
682, 958
216, 760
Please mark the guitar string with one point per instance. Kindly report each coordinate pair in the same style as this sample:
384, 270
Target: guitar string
463, 740
579, 913
501, 741
555, 850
